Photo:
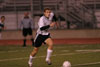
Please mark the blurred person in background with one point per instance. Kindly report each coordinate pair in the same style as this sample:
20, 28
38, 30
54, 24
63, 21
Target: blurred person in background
2, 19
26, 26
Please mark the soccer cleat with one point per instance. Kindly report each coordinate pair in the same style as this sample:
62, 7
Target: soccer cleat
48, 61
30, 64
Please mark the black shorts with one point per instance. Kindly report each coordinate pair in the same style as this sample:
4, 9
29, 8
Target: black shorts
27, 31
40, 39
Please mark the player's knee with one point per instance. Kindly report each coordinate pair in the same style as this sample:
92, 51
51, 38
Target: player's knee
51, 44
36, 50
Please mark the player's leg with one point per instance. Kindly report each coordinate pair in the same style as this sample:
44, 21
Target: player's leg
32, 40
49, 42
37, 43
32, 55
24, 35
24, 41
31, 36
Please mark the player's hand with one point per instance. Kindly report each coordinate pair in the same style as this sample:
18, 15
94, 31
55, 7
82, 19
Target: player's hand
52, 24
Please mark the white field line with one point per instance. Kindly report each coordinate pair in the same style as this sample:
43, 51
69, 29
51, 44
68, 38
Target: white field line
13, 51
95, 50
14, 59
65, 50
42, 56
9, 51
20, 50
87, 64
88, 50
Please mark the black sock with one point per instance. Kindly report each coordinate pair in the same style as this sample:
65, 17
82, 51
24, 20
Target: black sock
32, 41
24, 42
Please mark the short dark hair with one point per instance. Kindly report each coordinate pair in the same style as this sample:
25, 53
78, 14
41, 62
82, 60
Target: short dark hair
2, 17
46, 9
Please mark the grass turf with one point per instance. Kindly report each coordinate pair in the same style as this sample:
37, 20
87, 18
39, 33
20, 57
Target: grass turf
78, 55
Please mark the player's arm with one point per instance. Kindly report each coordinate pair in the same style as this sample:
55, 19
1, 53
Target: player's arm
55, 20
47, 26
31, 22
21, 25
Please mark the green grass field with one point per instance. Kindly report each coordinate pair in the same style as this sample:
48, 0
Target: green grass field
78, 55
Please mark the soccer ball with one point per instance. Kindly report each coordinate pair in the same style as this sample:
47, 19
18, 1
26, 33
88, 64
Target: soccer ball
66, 64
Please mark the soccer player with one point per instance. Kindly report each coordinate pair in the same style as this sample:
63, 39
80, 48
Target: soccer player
26, 26
43, 36
2, 19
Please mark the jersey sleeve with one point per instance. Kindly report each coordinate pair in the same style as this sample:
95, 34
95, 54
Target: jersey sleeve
51, 16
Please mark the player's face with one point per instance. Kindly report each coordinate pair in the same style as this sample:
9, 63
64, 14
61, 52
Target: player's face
26, 14
47, 13
2, 19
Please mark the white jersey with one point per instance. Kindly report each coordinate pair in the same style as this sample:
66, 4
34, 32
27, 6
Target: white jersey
43, 21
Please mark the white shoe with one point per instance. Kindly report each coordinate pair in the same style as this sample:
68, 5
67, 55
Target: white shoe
30, 64
48, 61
